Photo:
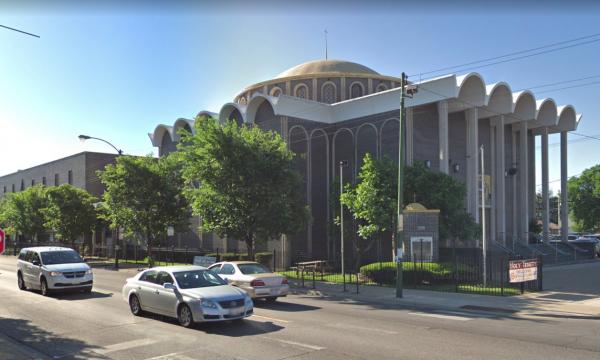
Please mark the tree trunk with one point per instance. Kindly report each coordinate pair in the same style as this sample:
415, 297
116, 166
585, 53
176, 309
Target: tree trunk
250, 245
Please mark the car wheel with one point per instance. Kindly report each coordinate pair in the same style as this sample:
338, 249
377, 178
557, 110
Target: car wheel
271, 299
44, 287
134, 305
21, 282
184, 315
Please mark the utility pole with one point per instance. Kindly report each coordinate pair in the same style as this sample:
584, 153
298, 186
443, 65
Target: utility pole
483, 235
343, 164
400, 205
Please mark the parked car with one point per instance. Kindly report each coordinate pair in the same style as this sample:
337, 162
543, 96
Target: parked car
254, 278
51, 269
588, 239
192, 294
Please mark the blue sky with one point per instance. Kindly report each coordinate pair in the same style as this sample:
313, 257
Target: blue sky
117, 72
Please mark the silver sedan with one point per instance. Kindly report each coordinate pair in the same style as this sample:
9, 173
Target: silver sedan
191, 294
258, 281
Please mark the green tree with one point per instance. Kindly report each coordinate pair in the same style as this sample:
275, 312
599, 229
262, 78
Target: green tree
22, 213
372, 201
584, 199
69, 212
242, 182
144, 196
436, 190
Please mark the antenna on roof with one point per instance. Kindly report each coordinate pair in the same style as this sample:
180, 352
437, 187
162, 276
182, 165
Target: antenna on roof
325, 44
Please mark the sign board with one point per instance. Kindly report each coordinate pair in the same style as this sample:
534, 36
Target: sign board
170, 231
399, 255
204, 260
2, 241
522, 270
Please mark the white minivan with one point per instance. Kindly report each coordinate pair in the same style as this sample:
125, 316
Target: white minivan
49, 269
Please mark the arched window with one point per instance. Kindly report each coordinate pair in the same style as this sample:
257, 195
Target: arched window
242, 100
356, 90
381, 87
276, 91
328, 93
301, 91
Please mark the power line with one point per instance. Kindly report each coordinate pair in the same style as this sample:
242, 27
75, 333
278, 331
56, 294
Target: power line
518, 53
559, 82
21, 31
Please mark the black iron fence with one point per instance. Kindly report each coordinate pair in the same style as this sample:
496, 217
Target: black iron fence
462, 273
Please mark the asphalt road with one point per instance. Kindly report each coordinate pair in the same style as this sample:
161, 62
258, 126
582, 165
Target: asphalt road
99, 325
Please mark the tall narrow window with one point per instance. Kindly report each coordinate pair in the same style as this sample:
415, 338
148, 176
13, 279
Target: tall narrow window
329, 95
4, 190
70, 177
356, 90
12, 188
56, 179
32, 182
301, 91
44, 181
22, 184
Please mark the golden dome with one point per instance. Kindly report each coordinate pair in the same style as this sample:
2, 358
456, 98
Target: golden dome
327, 67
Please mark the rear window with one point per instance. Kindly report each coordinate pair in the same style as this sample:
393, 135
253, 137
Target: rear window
248, 269
60, 257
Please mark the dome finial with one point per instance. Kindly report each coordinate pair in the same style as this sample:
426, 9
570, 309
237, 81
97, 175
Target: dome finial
326, 44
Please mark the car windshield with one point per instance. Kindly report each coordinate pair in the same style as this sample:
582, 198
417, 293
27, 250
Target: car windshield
198, 279
60, 257
248, 269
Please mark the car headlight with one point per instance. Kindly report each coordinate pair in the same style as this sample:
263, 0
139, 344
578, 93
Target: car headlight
88, 272
208, 304
55, 273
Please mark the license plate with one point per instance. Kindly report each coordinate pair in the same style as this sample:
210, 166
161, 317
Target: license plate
236, 312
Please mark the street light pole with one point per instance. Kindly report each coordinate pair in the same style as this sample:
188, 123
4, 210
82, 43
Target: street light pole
400, 219
83, 138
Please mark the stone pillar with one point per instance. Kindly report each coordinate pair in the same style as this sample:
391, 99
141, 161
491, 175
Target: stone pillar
500, 181
442, 107
409, 137
472, 162
513, 210
564, 208
343, 89
545, 186
532, 182
492, 151
524, 182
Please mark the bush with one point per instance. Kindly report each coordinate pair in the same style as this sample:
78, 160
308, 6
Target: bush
426, 272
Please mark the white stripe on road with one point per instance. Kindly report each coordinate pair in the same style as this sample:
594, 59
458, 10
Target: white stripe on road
356, 327
306, 346
172, 356
441, 316
272, 319
125, 346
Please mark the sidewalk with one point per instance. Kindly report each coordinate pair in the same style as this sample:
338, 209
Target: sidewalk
545, 303
12, 350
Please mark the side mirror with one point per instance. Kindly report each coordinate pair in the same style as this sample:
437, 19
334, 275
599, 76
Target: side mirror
36, 262
169, 286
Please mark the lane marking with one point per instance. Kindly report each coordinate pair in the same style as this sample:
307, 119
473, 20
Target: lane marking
174, 356
356, 327
299, 344
270, 318
125, 345
441, 316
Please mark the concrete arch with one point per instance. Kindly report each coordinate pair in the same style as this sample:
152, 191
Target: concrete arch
319, 185
229, 109
499, 98
276, 91
352, 162
567, 118
524, 105
254, 105
471, 90
182, 123
159, 133
546, 114
298, 87
381, 87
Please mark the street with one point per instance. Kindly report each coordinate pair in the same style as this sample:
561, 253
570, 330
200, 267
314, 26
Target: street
299, 326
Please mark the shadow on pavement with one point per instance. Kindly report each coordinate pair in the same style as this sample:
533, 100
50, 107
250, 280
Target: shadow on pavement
280, 305
53, 345
245, 327
72, 296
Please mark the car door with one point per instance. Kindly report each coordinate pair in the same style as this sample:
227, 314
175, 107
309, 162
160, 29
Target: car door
146, 287
34, 270
165, 299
